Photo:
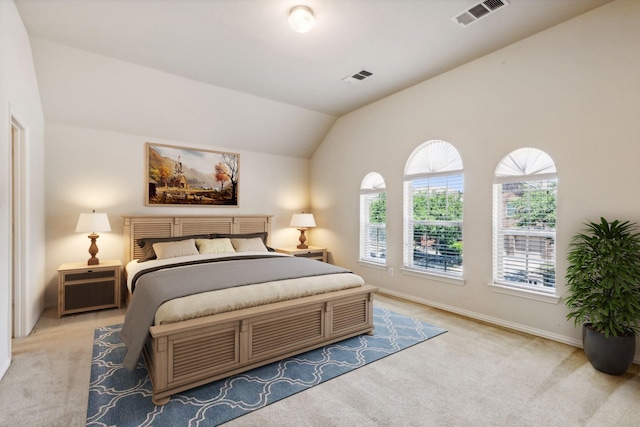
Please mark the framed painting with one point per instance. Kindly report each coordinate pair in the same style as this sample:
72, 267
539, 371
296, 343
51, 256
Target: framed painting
190, 176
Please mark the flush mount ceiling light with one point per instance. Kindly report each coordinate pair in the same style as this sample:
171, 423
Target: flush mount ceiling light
301, 19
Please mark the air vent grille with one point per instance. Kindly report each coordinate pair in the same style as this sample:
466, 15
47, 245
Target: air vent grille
358, 77
477, 11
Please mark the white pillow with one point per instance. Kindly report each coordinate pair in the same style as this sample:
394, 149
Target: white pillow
166, 250
214, 246
245, 245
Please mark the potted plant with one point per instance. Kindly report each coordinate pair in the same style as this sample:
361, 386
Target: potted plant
604, 292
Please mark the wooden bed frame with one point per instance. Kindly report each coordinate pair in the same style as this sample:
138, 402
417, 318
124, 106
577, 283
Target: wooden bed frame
183, 355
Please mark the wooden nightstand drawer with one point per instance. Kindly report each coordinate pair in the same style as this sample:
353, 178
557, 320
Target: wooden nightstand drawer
314, 255
92, 295
88, 275
313, 252
83, 287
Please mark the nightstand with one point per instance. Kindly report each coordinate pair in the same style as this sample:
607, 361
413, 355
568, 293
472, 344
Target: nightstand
313, 252
83, 287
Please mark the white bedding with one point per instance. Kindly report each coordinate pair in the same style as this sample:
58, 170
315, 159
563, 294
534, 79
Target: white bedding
220, 301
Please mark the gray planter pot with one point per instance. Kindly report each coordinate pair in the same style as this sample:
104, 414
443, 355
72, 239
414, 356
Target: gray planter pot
612, 355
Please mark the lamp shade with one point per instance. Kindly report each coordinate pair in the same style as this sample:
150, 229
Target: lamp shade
302, 220
91, 222
301, 19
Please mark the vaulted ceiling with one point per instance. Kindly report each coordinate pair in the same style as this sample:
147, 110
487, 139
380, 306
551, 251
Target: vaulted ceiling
247, 47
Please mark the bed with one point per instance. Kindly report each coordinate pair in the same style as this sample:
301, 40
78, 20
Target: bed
188, 351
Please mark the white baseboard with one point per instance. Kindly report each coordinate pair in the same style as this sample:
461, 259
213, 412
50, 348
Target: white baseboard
492, 320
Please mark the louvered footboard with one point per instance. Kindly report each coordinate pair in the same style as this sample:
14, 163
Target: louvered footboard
187, 354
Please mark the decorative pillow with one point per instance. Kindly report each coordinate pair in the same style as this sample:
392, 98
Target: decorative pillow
214, 246
244, 245
147, 253
147, 244
165, 250
263, 235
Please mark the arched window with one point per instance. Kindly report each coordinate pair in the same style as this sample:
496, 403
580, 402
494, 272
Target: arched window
373, 219
524, 221
433, 196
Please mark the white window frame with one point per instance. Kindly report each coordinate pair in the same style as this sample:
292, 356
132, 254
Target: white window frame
372, 187
532, 167
432, 161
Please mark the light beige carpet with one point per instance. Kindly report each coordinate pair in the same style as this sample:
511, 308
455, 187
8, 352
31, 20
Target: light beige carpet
474, 375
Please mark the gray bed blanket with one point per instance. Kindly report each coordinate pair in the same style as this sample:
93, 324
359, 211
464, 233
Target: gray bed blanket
158, 286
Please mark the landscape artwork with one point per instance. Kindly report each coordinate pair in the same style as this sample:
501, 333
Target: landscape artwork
190, 176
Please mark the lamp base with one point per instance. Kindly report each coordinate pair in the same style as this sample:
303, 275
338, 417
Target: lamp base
302, 239
93, 250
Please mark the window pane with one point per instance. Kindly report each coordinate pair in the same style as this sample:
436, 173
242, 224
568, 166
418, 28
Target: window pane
376, 243
526, 231
528, 260
438, 199
437, 247
373, 235
433, 199
437, 224
530, 205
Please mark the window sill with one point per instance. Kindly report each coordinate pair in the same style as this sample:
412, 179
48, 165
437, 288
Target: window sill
372, 265
525, 293
433, 276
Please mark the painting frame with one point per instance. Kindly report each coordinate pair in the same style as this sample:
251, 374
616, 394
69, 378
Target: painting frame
186, 176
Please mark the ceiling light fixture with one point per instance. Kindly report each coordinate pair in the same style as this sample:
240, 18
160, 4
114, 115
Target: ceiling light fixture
301, 19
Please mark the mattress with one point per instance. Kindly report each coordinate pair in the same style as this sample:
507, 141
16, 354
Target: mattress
235, 298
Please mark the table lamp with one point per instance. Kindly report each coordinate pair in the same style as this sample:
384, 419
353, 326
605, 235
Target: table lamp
92, 222
302, 222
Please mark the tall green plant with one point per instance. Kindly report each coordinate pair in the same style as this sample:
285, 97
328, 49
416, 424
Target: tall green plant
604, 277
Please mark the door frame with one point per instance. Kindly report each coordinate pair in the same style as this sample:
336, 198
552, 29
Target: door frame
17, 257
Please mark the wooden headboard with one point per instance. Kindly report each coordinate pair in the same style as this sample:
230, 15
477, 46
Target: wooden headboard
137, 227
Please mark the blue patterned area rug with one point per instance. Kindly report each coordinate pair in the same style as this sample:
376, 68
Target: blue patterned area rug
118, 397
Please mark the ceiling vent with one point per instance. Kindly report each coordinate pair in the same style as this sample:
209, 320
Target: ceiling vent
358, 77
479, 11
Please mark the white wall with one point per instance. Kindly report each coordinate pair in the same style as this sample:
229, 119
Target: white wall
89, 90
94, 169
19, 97
572, 91
100, 113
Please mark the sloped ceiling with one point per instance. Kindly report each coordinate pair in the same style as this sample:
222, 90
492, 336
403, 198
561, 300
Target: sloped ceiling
232, 73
